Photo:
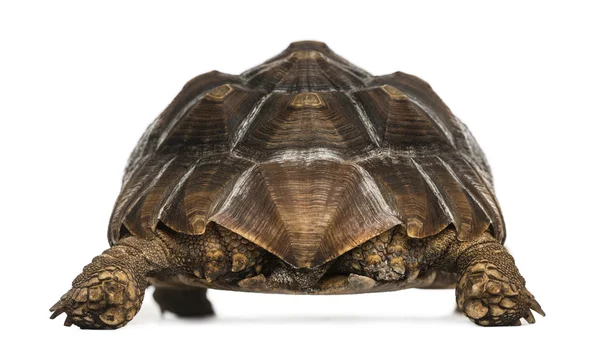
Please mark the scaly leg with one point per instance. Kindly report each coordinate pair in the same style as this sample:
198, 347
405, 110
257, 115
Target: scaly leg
109, 291
490, 289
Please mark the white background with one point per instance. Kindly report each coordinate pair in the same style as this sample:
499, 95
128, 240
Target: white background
80, 83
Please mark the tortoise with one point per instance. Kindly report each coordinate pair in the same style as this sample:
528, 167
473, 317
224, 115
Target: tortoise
303, 175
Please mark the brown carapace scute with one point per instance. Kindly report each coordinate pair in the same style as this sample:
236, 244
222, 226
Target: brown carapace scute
303, 175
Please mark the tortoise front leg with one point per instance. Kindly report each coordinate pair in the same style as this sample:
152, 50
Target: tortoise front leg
490, 289
109, 291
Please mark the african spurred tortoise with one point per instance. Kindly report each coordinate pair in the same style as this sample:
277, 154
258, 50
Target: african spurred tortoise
303, 175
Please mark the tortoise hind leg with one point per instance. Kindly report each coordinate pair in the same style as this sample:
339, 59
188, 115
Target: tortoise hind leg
443, 280
490, 290
183, 301
109, 291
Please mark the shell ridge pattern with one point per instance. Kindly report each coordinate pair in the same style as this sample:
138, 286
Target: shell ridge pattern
434, 189
173, 123
336, 86
178, 187
371, 189
276, 86
287, 230
251, 73
306, 156
308, 122
372, 212
479, 189
432, 115
143, 190
350, 86
138, 156
462, 185
247, 123
160, 173
494, 202
366, 77
240, 201
238, 188
367, 122
222, 176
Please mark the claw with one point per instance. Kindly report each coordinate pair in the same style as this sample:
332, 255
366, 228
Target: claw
255, 283
68, 322
55, 306
56, 313
537, 307
516, 323
529, 317
359, 282
57, 309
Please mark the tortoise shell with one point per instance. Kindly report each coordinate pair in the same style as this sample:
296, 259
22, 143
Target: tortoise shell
307, 156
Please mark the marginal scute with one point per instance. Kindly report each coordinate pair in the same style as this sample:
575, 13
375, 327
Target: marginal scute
202, 193
142, 218
307, 156
135, 189
409, 195
481, 194
468, 217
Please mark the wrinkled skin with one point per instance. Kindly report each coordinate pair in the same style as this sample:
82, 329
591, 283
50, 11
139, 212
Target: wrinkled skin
490, 291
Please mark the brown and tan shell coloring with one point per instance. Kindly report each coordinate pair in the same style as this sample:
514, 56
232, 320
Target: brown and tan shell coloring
307, 156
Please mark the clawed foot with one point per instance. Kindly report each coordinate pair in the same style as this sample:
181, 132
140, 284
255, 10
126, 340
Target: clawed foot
489, 298
109, 299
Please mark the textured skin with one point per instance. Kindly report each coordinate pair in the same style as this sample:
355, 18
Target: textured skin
304, 175
490, 289
108, 293
110, 290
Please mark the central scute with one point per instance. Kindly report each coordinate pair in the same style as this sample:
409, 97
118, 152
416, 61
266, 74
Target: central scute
306, 212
